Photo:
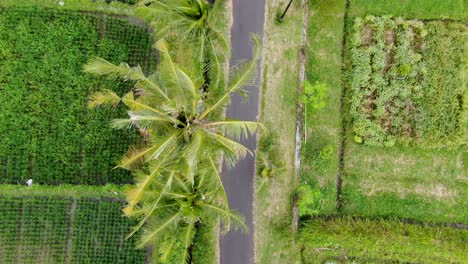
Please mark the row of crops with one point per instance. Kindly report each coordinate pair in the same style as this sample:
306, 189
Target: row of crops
48, 134
57, 230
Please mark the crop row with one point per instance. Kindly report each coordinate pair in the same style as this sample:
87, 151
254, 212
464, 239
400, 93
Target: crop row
48, 134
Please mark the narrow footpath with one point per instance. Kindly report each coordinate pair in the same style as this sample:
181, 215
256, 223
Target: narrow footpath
237, 247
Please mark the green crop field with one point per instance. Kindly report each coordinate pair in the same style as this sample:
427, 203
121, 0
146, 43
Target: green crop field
49, 135
62, 230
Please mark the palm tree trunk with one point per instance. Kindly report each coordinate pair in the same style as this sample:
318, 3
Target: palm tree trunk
190, 249
286, 10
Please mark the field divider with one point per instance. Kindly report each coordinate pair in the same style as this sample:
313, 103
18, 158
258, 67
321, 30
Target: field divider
20, 234
300, 111
339, 176
71, 220
408, 221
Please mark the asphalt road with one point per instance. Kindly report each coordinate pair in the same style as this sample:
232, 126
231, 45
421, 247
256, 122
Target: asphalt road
237, 247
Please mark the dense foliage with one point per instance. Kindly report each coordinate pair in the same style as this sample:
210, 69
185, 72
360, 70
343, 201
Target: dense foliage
348, 240
406, 82
50, 230
178, 186
47, 132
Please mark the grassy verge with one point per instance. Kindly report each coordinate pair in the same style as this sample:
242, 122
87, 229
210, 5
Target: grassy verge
322, 127
347, 240
66, 191
422, 9
274, 242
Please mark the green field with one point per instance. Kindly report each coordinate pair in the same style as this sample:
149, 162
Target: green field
347, 240
49, 135
48, 230
413, 168
420, 174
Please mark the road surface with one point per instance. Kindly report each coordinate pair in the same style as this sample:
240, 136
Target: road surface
237, 247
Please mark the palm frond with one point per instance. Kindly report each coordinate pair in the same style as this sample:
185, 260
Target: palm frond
106, 98
236, 129
135, 158
232, 150
99, 66
228, 217
157, 228
134, 195
189, 235
212, 184
155, 205
242, 75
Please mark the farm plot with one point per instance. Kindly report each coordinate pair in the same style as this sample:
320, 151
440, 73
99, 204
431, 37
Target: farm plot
48, 134
405, 155
348, 240
60, 230
406, 82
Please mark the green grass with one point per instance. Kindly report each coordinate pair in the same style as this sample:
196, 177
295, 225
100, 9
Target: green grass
37, 230
276, 181
347, 240
323, 126
421, 9
65, 191
405, 182
114, 7
49, 135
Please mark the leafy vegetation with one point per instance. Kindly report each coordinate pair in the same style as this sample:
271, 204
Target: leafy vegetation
348, 240
322, 126
406, 180
48, 134
177, 180
403, 73
50, 230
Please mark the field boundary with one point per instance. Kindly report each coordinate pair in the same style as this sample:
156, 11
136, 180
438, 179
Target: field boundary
341, 150
300, 112
408, 221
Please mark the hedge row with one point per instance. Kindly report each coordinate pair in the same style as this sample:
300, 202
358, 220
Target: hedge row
48, 134
406, 82
53, 230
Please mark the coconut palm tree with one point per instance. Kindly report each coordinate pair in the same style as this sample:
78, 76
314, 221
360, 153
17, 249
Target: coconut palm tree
176, 164
190, 20
174, 208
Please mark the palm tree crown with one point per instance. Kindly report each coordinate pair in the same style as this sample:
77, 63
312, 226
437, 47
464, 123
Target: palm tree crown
177, 181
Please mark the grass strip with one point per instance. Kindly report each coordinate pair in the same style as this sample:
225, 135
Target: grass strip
380, 241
